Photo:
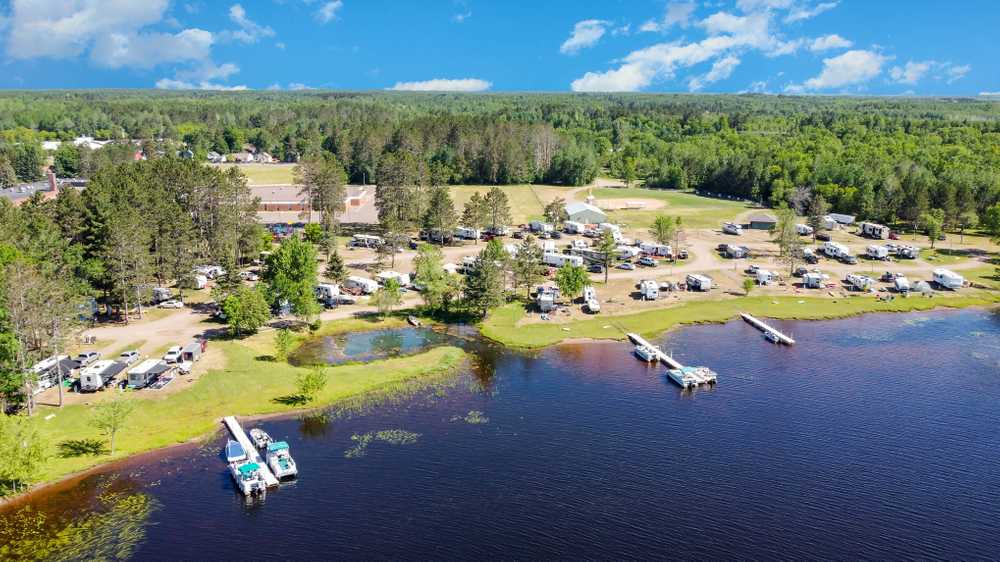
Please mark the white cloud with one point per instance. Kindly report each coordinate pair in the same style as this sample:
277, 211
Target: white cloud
800, 13
460, 18
444, 85
146, 50
585, 34
848, 69
954, 73
328, 11
828, 42
748, 6
721, 69
169, 84
280, 45
758, 87
989, 94
249, 31
298, 86
911, 72
677, 13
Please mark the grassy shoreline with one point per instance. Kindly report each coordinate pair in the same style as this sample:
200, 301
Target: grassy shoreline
503, 325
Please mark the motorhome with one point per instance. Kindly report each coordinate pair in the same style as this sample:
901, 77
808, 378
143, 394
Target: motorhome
366, 241
697, 282
813, 280
143, 374
766, 277
403, 279
649, 289
948, 279
467, 233
907, 252
835, 250
803, 230
539, 226
872, 230
651, 249
363, 284
99, 375
877, 252
735, 252
559, 260
327, 292
732, 228
859, 282
161, 294
627, 252
573, 227
901, 284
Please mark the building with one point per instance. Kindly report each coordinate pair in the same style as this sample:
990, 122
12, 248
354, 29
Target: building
284, 204
763, 221
585, 213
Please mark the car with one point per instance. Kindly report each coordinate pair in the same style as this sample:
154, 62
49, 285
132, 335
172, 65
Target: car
682, 255
87, 357
518, 235
893, 236
850, 260
556, 235
811, 259
413, 244
596, 268
824, 236
129, 357
185, 367
249, 276
172, 303
626, 266
800, 271
647, 261
173, 355
753, 269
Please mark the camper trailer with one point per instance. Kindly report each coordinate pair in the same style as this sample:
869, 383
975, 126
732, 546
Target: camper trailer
872, 230
498, 230
366, 241
948, 279
191, 352
842, 219
835, 250
907, 252
651, 249
539, 226
735, 252
99, 375
467, 233
364, 285
579, 245
813, 280
877, 252
649, 289
548, 246
803, 230
614, 229
402, 278
589, 293
573, 227
732, 228
559, 260
161, 294
901, 284
829, 223
327, 292
697, 282
627, 252
143, 374
859, 282
766, 277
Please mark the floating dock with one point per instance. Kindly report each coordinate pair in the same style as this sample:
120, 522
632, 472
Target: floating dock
767, 329
687, 377
237, 430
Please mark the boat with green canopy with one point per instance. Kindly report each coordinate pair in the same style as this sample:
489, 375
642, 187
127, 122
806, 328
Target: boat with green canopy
279, 459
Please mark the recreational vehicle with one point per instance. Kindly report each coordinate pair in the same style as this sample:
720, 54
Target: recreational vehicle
191, 352
803, 230
829, 223
539, 226
327, 292
146, 372
649, 289
161, 294
573, 227
835, 250
627, 252
614, 229
766, 277
593, 306
813, 280
366, 241
877, 252
842, 219
697, 282
498, 230
651, 249
732, 228
579, 245
901, 284
559, 260
872, 230
548, 246
467, 233
99, 375
735, 252
907, 252
403, 279
589, 293
948, 279
859, 282
363, 284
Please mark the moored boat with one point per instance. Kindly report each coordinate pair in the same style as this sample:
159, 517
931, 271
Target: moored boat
413, 320
646, 353
247, 476
686, 377
279, 459
260, 438
771, 336
235, 452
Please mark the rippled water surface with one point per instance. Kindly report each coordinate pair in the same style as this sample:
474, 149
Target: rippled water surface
874, 437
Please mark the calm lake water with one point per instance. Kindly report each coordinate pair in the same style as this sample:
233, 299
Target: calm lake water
874, 437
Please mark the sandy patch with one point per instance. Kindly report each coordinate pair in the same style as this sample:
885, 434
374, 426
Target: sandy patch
631, 204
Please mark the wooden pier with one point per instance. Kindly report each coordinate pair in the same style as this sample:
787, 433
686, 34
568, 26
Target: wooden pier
670, 361
237, 430
782, 338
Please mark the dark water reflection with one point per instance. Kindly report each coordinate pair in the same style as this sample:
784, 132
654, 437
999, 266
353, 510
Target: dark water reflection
873, 438
371, 345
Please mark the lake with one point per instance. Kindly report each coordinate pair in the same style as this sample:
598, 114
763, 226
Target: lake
874, 437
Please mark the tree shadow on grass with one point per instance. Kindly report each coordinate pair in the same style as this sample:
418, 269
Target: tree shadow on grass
82, 447
291, 400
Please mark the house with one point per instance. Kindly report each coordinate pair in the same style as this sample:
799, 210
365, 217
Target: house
763, 221
585, 213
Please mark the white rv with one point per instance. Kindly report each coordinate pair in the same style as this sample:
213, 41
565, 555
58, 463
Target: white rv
842, 218
859, 282
829, 223
327, 292
652, 249
902, 284
907, 252
498, 230
627, 252
579, 244
732, 228
366, 241
539, 226
614, 229
559, 260
402, 278
99, 375
146, 372
877, 252
649, 289
161, 294
468, 233
872, 230
836, 250
548, 246
803, 229
766, 277
697, 282
511, 249
589, 293
813, 280
573, 227
735, 252
363, 284
948, 279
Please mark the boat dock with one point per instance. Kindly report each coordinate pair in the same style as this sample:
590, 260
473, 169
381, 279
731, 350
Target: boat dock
237, 430
670, 361
782, 338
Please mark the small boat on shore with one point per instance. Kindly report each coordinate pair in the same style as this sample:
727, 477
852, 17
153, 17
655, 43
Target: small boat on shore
235, 452
646, 353
414, 321
260, 438
771, 336
280, 461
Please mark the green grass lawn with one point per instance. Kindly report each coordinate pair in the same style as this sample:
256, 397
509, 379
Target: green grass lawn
263, 174
944, 256
527, 202
247, 385
502, 324
695, 210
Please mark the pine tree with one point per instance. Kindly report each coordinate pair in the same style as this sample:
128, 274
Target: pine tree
335, 269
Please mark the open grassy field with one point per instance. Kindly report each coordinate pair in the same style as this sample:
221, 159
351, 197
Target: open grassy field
526, 201
249, 384
503, 324
263, 174
696, 211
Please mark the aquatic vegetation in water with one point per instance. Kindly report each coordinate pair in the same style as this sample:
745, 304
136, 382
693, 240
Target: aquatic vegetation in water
390, 436
474, 417
917, 321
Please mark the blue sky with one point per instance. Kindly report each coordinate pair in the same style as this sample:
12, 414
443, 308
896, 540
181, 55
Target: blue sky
885, 47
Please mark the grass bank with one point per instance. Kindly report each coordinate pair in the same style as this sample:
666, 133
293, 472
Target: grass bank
248, 384
503, 325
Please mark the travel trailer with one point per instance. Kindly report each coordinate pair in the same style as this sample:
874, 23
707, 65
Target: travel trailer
146, 372
651, 249
766, 277
872, 230
732, 228
627, 252
735, 252
545, 300
614, 229
366, 241
901, 284
327, 292
161, 294
859, 282
803, 230
697, 282
191, 352
835, 250
649, 289
573, 227
559, 260
829, 223
402, 278
907, 252
877, 252
498, 230
363, 284
548, 246
539, 226
99, 375
468, 233
813, 280
948, 279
